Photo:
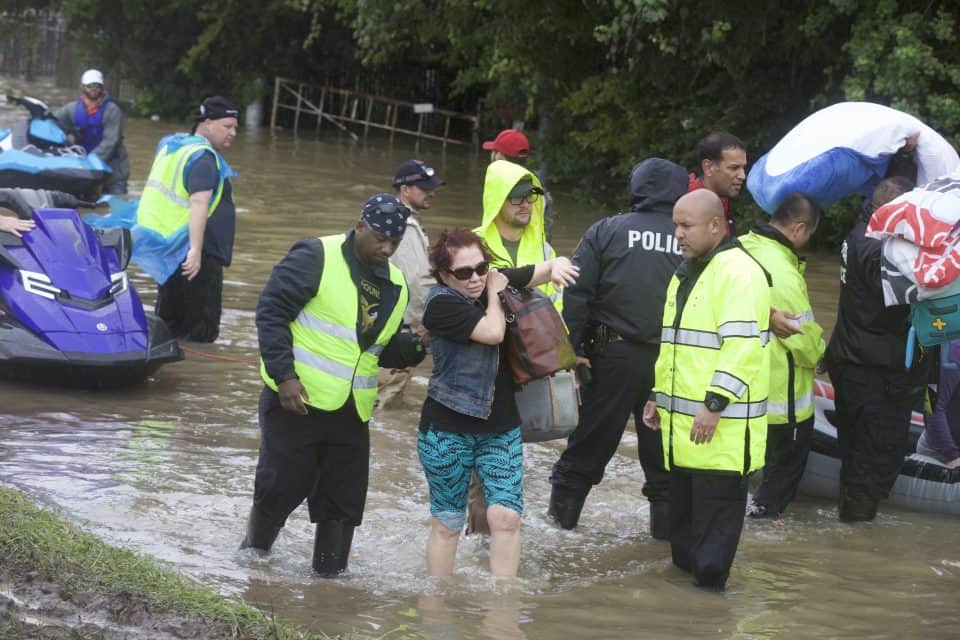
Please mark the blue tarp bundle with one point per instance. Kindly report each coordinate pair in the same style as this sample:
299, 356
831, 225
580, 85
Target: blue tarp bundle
155, 255
845, 149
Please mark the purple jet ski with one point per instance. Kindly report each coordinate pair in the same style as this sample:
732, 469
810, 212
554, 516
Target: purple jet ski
68, 313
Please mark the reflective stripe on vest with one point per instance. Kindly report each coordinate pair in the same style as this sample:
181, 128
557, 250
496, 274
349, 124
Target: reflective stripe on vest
781, 408
326, 349
739, 329
690, 338
165, 203
730, 383
741, 410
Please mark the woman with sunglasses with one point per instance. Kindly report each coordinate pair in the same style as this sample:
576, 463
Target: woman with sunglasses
469, 420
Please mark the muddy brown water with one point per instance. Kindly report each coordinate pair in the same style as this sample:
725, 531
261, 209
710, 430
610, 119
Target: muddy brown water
166, 467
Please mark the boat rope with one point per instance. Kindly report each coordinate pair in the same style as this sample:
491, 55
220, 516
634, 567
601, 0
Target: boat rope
213, 356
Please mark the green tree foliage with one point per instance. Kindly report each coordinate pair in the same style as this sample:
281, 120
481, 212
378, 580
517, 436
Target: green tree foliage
601, 84
178, 51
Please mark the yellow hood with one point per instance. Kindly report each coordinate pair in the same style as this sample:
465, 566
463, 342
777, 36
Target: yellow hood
502, 176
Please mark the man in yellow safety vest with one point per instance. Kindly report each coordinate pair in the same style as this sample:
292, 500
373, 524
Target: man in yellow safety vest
328, 317
187, 205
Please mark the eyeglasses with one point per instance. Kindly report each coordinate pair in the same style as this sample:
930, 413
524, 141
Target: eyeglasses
465, 273
529, 198
94, 85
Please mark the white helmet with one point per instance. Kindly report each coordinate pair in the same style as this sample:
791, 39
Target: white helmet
91, 76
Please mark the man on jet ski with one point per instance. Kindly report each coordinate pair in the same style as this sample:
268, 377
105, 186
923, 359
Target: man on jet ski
95, 122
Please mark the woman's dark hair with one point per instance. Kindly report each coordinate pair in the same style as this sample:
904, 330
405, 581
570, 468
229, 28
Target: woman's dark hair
441, 253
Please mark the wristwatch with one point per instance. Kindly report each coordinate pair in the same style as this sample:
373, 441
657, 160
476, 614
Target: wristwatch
715, 403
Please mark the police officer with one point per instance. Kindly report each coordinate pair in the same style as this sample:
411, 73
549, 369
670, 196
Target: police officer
874, 395
614, 315
327, 317
793, 360
710, 395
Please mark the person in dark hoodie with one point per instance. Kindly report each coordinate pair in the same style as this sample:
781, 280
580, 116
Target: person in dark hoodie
614, 313
875, 396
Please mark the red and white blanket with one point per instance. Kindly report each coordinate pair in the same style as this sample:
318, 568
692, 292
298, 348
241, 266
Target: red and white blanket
921, 252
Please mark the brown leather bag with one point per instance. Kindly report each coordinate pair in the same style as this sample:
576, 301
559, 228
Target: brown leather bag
536, 341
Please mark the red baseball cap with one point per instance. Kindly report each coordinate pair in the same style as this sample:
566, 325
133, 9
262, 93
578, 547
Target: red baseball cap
511, 143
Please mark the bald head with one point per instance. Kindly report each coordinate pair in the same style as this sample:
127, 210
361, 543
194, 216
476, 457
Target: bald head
699, 222
703, 202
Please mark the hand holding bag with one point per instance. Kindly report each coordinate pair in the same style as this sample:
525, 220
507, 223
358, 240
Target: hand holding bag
536, 341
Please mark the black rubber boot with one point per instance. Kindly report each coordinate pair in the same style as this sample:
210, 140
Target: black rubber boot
856, 505
565, 508
260, 532
331, 548
660, 520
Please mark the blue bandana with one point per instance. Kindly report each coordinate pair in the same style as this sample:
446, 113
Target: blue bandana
385, 214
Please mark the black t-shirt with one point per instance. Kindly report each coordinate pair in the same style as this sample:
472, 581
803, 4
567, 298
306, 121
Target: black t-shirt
370, 295
455, 319
221, 225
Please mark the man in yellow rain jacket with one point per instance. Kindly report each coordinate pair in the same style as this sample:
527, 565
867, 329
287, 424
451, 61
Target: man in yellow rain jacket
710, 392
513, 226
793, 361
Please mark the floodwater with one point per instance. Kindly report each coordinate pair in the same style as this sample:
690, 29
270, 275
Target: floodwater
167, 467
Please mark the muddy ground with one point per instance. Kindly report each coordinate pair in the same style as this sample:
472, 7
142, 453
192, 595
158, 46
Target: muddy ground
33, 606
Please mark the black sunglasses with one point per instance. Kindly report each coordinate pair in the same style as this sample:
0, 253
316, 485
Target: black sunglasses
465, 273
529, 198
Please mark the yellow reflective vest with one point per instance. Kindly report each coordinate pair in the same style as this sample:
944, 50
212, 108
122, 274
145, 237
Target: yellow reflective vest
715, 328
165, 203
501, 177
793, 361
326, 348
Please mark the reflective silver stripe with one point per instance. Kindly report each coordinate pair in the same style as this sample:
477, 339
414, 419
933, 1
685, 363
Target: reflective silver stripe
168, 194
740, 410
739, 329
806, 316
745, 410
690, 337
375, 350
554, 297
731, 383
365, 382
782, 408
325, 326
765, 337
546, 250
320, 363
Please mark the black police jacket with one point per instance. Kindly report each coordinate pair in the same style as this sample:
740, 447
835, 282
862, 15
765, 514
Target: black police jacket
867, 333
626, 261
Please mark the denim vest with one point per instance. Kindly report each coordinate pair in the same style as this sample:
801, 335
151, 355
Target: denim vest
463, 374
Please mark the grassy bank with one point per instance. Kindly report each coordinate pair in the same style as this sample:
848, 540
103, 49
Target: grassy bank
56, 581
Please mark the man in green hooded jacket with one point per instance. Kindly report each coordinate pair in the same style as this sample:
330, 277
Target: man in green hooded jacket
513, 220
